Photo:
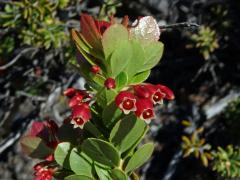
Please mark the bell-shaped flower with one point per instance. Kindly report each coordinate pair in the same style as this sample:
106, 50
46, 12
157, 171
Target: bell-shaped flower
142, 91
168, 92
126, 101
80, 115
145, 109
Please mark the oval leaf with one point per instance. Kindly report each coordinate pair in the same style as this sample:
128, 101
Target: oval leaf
101, 151
79, 164
111, 38
62, 154
127, 132
140, 157
121, 80
111, 114
140, 77
78, 177
103, 174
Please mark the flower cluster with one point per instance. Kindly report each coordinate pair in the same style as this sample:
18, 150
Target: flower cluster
141, 99
79, 104
42, 171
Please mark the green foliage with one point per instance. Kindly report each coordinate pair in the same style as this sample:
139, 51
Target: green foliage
140, 157
227, 161
196, 146
78, 177
6, 46
205, 40
61, 154
36, 22
101, 151
127, 132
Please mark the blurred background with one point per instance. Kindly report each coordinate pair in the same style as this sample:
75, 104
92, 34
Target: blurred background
197, 135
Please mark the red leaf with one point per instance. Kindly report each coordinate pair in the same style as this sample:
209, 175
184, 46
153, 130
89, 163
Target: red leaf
90, 32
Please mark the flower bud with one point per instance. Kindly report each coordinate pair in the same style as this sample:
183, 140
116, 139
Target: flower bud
80, 115
95, 69
110, 83
126, 101
145, 109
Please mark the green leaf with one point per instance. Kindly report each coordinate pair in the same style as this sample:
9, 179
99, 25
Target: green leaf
153, 53
78, 177
35, 147
97, 78
103, 174
121, 80
130, 151
127, 132
140, 77
62, 153
80, 42
140, 157
111, 114
66, 133
110, 95
105, 97
117, 174
79, 164
91, 128
111, 38
136, 63
101, 151
120, 57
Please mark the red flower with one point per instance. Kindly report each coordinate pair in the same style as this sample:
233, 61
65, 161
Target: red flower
95, 69
46, 130
168, 92
42, 172
126, 101
75, 100
145, 109
80, 115
70, 92
142, 91
110, 83
156, 94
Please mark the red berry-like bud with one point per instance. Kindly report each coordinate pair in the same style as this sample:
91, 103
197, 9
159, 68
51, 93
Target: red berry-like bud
95, 69
70, 92
168, 92
145, 109
126, 101
110, 83
142, 91
80, 115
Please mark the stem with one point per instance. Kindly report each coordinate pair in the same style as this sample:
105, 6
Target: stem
180, 25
